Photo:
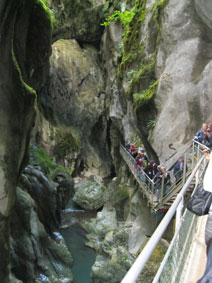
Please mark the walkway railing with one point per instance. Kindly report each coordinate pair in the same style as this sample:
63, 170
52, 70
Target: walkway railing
158, 197
171, 266
143, 179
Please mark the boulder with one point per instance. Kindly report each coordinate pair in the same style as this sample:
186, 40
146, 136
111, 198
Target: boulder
89, 194
114, 259
114, 269
104, 222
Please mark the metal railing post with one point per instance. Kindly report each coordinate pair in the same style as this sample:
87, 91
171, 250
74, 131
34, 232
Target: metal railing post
184, 167
179, 213
193, 153
162, 190
198, 151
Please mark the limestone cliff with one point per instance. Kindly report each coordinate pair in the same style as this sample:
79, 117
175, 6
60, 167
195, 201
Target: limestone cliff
149, 83
145, 83
145, 78
24, 50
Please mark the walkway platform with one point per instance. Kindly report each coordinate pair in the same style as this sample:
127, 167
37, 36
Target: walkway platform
195, 267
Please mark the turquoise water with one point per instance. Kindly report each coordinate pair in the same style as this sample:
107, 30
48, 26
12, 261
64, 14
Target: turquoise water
83, 257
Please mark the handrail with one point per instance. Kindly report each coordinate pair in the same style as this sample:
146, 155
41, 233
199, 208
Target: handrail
158, 195
130, 156
143, 179
141, 260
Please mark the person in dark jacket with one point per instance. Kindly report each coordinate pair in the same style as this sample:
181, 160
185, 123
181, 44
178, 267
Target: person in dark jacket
162, 173
178, 168
128, 146
208, 138
201, 135
207, 184
149, 169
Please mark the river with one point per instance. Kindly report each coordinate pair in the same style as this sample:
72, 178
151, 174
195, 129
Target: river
74, 236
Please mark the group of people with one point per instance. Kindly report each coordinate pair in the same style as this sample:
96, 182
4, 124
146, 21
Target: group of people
154, 171
157, 172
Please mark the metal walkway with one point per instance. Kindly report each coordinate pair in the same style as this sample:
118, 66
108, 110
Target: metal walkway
147, 186
175, 262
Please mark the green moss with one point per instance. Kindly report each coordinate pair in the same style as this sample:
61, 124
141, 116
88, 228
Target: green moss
122, 193
145, 95
66, 142
153, 263
157, 8
61, 169
132, 35
145, 71
48, 13
143, 84
151, 124
125, 18
40, 157
25, 86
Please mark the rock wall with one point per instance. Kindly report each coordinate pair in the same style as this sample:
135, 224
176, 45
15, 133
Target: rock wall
23, 67
41, 256
149, 84
36, 246
78, 19
147, 81
76, 99
183, 68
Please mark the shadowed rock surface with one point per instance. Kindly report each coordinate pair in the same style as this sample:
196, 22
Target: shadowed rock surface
149, 83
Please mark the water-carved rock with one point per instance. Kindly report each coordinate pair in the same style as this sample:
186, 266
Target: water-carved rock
89, 194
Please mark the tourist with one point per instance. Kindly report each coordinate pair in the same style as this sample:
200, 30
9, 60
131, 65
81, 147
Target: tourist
207, 185
144, 155
132, 149
201, 135
208, 138
128, 146
149, 169
155, 169
178, 168
167, 180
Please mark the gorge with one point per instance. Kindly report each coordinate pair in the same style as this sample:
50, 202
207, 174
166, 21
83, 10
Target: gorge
71, 91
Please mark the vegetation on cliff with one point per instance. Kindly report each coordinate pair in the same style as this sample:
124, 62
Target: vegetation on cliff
136, 64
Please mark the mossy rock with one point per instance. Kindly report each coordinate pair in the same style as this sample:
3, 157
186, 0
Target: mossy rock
39, 158
89, 194
79, 19
151, 267
67, 142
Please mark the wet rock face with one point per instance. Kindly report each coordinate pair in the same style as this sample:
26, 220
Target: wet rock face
50, 196
75, 90
43, 258
105, 222
23, 68
36, 247
78, 19
76, 97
